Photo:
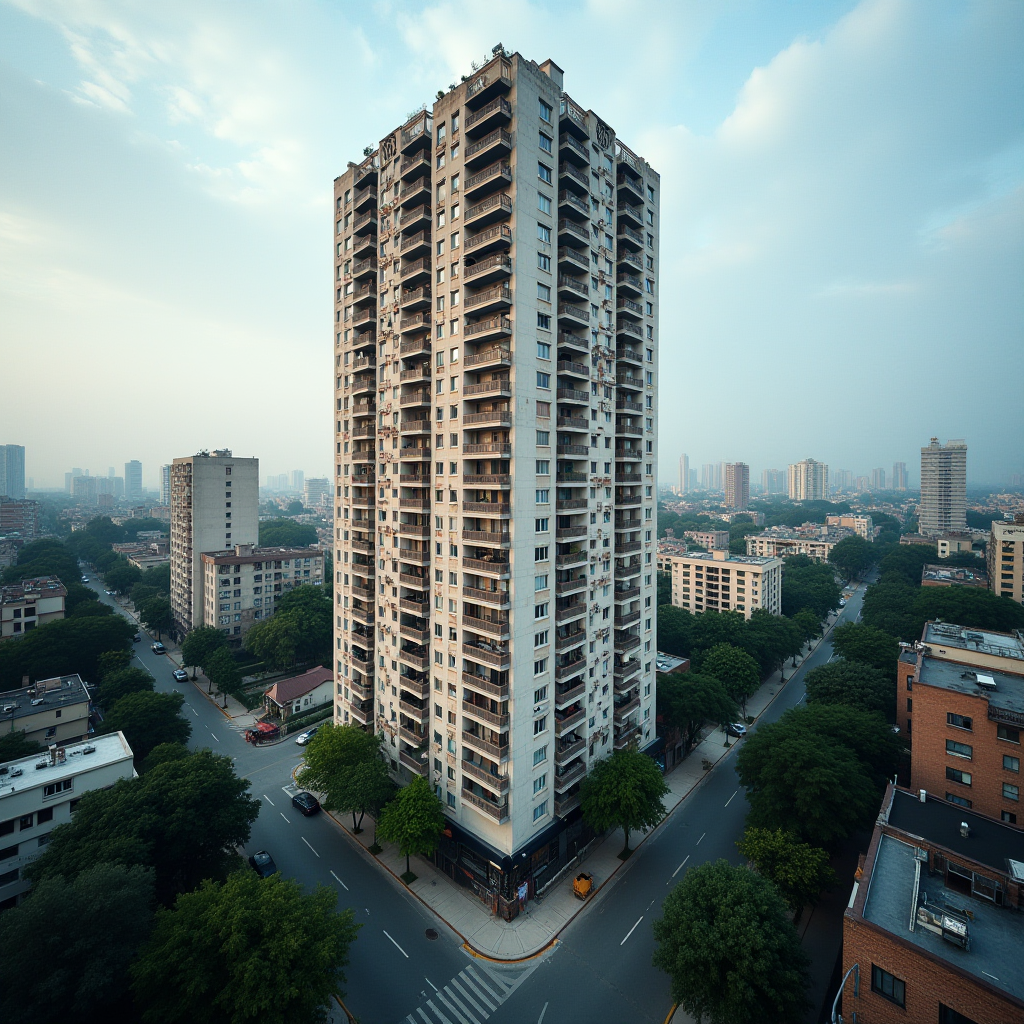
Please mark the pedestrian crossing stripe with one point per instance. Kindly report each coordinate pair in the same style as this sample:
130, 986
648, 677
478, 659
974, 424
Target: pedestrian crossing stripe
469, 998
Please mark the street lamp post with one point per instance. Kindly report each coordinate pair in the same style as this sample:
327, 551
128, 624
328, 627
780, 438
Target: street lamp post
855, 971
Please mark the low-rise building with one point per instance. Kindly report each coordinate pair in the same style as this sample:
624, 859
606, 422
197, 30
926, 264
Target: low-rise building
953, 576
300, 694
710, 540
933, 931
723, 582
149, 560
243, 585
917, 538
19, 517
810, 539
30, 603
964, 543
49, 711
862, 526
40, 792
1006, 558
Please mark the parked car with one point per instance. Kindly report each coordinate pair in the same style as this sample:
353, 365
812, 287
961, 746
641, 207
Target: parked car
306, 802
137, 639
263, 864
109, 593
158, 648
736, 729
304, 737
180, 675
85, 579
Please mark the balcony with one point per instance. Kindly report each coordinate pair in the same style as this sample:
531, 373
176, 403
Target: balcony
499, 690
497, 567
363, 384
494, 538
416, 244
628, 354
487, 479
626, 737
573, 395
569, 751
417, 714
574, 693
361, 713
629, 454
499, 752
569, 476
415, 426
416, 165
628, 238
566, 722
572, 259
495, 810
418, 135
499, 722
418, 373
418, 608
630, 259
568, 340
630, 187
490, 116
625, 642
418, 530
573, 205
415, 556
418, 764
366, 172
491, 81
571, 233
571, 776
622, 621
490, 268
629, 283
572, 287
416, 298
631, 213
486, 654
365, 223
625, 380
571, 175
418, 346
363, 198
364, 317
627, 307
417, 272
497, 237
571, 611
489, 210
419, 452
503, 448
499, 783
570, 640
495, 627
573, 314
495, 327
565, 587
491, 508
364, 245
414, 660
493, 355
365, 269
414, 218
626, 708
489, 300
573, 150
572, 423
415, 398
500, 417
490, 147
576, 369
563, 672
625, 572
490, 179
563, 805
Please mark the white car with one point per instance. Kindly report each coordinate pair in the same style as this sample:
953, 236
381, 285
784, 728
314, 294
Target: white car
304, 737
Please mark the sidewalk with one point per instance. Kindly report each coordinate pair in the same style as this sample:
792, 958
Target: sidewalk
546, 916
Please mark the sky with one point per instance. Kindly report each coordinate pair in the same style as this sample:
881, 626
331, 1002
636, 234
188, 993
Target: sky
842, 216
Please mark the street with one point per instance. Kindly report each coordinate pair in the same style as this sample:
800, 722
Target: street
600, 970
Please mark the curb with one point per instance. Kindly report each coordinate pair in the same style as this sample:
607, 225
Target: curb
672, 1012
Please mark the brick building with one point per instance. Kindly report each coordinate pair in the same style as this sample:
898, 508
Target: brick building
933, 923
960, 702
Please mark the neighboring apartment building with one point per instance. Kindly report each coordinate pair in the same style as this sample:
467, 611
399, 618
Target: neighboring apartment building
878, 479
722, 582
496, 376
48, 711
737, 485
30, 603
1006, 559
40, 792
214, 506
781, 542
960, 543
165, 485
316, 491
960, 702
19, 517
773, 481
862, 526
899, 476
684, 474
243, 585
710, 540
945, 576
943, 507
808, 481
133, 480
933, 932
12, 471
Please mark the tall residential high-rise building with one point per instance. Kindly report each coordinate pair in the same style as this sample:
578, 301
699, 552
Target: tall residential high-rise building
943, 507
899, 476
496, 311
214, 506
165, 485
684, 474
878, 479
808, 481
133, 480
773, 481
316, 491
737, 485
298, 480
12, 470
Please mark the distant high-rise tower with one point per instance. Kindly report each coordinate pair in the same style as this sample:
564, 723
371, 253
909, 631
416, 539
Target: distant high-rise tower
878, 479
899, 476
12, 470
773, 481
298, 480
684, 474
133, 480
943, 507
737, 485
808, 481
165, 485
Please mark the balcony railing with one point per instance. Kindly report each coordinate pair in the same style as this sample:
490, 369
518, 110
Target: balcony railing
498, 752
481, 774
498, 811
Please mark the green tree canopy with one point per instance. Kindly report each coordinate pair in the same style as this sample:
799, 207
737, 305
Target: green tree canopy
223, 672
624, 791
674, 630
689, 700
413, 820
147, 720
162, 753
183, 818
854, 683
250, 949
122, 576
808, 623
735, 669
852, 556
156, 615
300, 630
63, 950
120, 684
199, 646
46, 557
141, 593
113, 661
857, 642
800, 871
14, 745
728, 945
286, 533
158, 577
809, 584
91, 606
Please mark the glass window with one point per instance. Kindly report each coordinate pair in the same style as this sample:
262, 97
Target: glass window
1010, 792
543, 380
545, 111
888, 986
955, 775
958, 721
1004, 732
959, 749
544, 232
540, 810
545, 143
544, 261
1011, 764
544, 172
543, 203
543, 292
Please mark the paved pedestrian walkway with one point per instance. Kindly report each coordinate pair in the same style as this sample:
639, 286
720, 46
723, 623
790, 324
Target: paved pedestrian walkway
546, 916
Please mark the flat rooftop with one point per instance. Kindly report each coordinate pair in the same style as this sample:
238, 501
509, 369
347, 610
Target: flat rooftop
966, 638
709, 556
669, 662
32, 589
1007, 691
44, 695
954, 576
27, 773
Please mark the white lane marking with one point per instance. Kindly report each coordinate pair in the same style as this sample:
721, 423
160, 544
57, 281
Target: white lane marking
631, 930
499, 995
477, 988
440, 1016
680, 868
544, 1009
458, 1010
702, 836
214, 736
284, 816
269, 801
397, 946
429, 982
458, 1000
345, 887
192, 709
729, 801
306, 841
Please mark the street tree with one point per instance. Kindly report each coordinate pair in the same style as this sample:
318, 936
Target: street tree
730, 949
148, 719
113, 661
184, 818
413, 820
162, 753
808, 623
122, 576
624, 791
854, 683
674, 626
800, 871
156, 615
141, 593
223, 672
689, 700
852, 556
120, 684
285, 533
809, 584
14, 745
63, 950
866, 644
246, 949
735, 669
199, 646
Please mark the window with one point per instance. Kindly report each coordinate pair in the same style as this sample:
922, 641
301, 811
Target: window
958, 721
544, 261
543, 496
955, 749
544, 379
951, 1016
540, 783
540, 611
887, 986
543, 437
544, 172
541, 525
1009, 817
540, 554
544, 232
56, 788
543, 203
955, 775
1004, 732
540, 666
544, 321
541, 638
1011, 792
545, 111
545, 143
543, 292
1011, 764
543, 466
540, 582
540, 755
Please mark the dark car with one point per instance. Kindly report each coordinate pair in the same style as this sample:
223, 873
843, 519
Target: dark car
137, 639
306, 802
737, 729
263, 864
180, 675
158, 648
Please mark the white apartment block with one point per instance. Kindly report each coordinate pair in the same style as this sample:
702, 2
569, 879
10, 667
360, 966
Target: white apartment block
943, 507
242, 586
30, 603
496, 370
711, 540
1006, 559
862, 526
722, 582
40, 792
214, 506
781, 543
808, 481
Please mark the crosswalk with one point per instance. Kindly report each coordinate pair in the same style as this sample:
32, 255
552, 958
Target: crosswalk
469, 998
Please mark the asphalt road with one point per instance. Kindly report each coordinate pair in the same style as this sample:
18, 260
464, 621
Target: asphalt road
600, 970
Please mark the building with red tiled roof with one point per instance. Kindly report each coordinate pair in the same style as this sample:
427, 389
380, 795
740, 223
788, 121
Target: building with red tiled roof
299, 694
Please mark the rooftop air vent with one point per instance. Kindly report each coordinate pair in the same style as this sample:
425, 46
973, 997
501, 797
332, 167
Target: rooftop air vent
986, 681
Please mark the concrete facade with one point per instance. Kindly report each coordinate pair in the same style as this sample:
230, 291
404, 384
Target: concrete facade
29, 604
943, 507
48, 711
12, 471
737, 485
1006, 559
808, 481
723, 582
862, 526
